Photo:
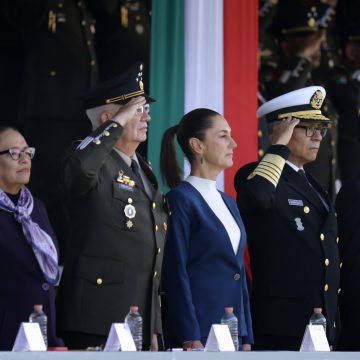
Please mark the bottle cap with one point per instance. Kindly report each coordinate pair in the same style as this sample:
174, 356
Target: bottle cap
229, 310
134, 308
318, 310
38, 307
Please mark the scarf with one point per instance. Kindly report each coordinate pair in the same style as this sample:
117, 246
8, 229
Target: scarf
41, 243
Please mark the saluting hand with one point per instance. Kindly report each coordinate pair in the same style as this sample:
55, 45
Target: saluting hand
282, 131
128, 111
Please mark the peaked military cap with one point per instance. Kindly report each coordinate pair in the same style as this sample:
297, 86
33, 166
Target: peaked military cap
297, 17
303, 104
119, 90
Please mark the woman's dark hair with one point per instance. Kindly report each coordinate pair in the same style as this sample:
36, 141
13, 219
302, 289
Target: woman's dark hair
193, 124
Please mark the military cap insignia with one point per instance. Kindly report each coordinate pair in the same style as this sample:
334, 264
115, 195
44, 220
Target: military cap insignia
311, 22
317, 100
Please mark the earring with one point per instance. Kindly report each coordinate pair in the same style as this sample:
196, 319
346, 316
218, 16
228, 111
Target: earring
201, 160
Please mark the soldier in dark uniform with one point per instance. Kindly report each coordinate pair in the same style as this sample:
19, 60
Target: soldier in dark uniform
344, 88
53, 49
348, 209
300, 30
291, 225
118, 220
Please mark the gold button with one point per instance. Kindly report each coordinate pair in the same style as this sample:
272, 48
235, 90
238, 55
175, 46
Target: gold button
322, 236
261, 152
337, 240
83, 23
156, 228
327, 262
333, 161
153, 205
159, 250
130, 200
97, 141
326, 287
260, 134
88, 42
169, 213
106, 133
165, 226
237, 277
306, 209
332, 142
60, 5
92, 62
53, 73
99, 281
115, 125
339, 291
155, 273
340, 265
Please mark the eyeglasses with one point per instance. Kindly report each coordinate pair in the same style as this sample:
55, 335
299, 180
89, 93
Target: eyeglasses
140, 110
16, 152
310, 131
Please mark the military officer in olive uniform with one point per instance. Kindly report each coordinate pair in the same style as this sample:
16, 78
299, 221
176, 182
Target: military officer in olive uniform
291, 225
300, 28
118, 219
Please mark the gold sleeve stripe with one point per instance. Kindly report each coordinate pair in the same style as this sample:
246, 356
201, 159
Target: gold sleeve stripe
267, 176
267, 165
270, 168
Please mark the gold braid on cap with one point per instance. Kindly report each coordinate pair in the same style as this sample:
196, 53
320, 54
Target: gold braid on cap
306, 114
124, 97
270, 168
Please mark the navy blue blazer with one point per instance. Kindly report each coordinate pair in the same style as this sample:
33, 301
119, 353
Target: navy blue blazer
22, 284
201, 273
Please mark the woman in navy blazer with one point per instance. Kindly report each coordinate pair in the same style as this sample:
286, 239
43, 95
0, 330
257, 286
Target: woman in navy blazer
203, 270
28, 247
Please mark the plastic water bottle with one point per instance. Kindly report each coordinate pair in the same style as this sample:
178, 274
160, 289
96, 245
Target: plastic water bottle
135, 322
317, 318
39, 317
231, 321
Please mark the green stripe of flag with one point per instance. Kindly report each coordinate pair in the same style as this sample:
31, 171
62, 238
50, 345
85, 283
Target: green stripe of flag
166, 73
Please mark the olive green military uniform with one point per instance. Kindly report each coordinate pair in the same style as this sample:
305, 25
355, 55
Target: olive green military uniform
116, 241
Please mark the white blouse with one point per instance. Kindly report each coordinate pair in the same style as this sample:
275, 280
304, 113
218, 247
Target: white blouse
207, 189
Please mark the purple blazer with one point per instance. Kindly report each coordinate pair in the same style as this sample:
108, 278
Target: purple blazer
22, 284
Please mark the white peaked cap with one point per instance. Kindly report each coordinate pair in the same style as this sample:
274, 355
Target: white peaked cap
304, 104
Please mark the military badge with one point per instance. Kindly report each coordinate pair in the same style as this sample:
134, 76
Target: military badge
299, 225
129, 224
130, 211
123, 179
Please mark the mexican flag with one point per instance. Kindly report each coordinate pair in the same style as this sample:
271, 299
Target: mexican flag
204, 54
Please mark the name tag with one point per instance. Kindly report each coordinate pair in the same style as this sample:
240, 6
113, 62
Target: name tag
294, 202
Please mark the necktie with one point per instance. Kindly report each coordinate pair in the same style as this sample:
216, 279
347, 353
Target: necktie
136, 170
302, 173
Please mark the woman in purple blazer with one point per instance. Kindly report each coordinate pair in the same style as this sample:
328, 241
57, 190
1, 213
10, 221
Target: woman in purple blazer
203, 270
28, 252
